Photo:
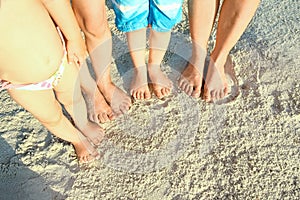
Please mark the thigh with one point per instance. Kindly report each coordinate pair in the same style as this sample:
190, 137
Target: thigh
41, 104
68, 88
68, 92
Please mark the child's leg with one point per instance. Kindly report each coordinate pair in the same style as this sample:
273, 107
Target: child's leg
44, 106
234, 18
137, 47
69, 94
91, 16
201, 18
158, 43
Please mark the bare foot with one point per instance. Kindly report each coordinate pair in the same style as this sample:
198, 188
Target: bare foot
97, 108
190, 81
139, 84
161, 84
84, 150
216, 86
93, 132
118, 100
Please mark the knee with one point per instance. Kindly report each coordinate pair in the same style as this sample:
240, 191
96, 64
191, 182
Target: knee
95, 27
52, 119
69, 99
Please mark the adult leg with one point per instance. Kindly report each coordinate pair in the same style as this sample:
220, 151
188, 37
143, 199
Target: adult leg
44, 107
137, 48
235, 15
97, 108
92, 19
201, 18
69, 94
158, 43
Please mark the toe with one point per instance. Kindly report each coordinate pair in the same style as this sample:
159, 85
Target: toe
136, 95
163, 92
213, 95
196, 92
100, 118
189, 90
117, 113
158, 93
226, 91
128, 99
217, 95
82, 159
91, 117
142, 95
133, 93
206, 95
221, 94
180, 82
95, 141
95, 118
123, 109
168, 91
94, 154
105, 117
111, 116
184, 87
128, 104
147, 95
127, 107
86, 158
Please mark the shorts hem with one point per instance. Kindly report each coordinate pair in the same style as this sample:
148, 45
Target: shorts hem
129, 28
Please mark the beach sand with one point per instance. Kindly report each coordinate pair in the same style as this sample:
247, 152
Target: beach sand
178, 148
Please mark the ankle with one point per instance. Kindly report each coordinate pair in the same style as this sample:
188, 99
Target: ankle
154, 66
140, 68
77, 141
103, 83
219, 58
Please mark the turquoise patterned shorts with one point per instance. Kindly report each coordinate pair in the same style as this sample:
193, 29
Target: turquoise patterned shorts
133, 15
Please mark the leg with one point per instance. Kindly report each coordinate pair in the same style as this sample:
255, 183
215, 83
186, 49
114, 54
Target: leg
201, 17
97, 108
43, 106
69, 94
92, 19
137, 47
158, 43
235, 15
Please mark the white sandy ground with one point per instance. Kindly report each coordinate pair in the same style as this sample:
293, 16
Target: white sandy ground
178, 148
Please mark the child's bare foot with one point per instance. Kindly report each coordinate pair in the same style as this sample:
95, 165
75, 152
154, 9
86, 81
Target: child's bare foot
190, 81
216, 86
139, 84
84, 150
162, 86
118, 100
97, 108
93, 132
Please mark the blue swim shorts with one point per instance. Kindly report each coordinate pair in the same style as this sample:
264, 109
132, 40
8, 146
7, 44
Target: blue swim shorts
133, 15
